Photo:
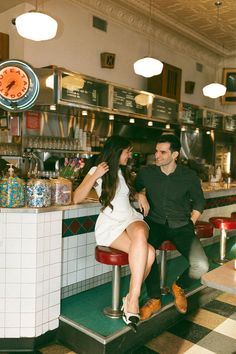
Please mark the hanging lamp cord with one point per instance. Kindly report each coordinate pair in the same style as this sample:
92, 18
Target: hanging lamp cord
149, 28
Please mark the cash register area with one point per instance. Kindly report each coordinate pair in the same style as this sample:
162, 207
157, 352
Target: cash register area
209, 328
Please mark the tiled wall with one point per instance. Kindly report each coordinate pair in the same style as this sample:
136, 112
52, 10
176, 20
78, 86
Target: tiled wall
30, 273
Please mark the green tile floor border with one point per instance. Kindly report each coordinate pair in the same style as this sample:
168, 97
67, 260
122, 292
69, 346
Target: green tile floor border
86, 307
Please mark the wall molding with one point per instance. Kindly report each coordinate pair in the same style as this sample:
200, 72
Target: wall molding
179, 39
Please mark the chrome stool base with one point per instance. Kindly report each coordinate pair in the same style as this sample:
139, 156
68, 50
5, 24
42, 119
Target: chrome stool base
221, 261
109, 312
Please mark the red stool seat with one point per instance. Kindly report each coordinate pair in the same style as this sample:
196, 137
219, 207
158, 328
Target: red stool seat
167, 246
233, 215
220, 222
203, 229
115, 258
223, 223
111, 256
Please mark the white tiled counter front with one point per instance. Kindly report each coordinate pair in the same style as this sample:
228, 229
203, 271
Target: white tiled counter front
30, 272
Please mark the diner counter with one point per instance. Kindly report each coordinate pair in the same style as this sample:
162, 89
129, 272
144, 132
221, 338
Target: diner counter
209, 192
47, 254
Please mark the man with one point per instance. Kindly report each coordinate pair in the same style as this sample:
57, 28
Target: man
172, 200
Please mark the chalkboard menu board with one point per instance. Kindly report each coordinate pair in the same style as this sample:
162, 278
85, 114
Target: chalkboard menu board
124, 101
190, 114
164, 110
230, 123
213, 120
84, 91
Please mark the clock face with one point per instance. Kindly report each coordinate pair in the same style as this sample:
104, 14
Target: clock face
19, 85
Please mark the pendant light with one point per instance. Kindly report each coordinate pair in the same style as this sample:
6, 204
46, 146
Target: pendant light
148, 66
215, 89
36, 25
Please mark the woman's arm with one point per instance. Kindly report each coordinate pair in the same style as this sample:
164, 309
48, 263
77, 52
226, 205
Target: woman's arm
88, 182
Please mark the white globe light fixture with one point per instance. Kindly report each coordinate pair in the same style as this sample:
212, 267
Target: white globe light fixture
214, 90
148, 67
36, 26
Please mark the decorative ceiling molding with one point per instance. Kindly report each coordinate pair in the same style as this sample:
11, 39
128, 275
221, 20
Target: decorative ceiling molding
125, 16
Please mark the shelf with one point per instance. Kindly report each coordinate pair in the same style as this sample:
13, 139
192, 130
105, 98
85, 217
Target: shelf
62, 151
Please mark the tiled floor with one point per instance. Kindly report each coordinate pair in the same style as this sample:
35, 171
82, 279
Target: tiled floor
209, 330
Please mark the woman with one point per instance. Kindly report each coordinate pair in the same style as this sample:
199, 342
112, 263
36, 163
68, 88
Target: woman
119, 225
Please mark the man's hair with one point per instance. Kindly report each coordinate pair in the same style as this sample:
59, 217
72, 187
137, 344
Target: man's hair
172, 139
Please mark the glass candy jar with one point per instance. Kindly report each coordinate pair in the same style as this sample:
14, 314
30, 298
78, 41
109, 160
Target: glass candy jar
12, 191
61, 191
38, 193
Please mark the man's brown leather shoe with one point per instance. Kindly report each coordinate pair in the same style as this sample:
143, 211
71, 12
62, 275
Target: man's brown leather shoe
152, 306
180, 299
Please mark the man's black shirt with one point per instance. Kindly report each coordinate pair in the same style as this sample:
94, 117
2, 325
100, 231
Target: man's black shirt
171, 197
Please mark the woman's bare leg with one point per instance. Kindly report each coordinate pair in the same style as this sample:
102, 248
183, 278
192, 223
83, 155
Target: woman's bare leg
141, 256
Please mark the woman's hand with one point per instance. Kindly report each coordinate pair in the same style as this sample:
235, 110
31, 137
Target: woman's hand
101, 169
143, 204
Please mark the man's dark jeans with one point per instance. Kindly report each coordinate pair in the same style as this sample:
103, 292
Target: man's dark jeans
187, 244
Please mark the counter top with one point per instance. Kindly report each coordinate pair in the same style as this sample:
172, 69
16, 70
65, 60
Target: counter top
86, 204
217, 190
222, 278
91, 202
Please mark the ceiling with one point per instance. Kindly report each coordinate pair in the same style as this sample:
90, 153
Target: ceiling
199, 20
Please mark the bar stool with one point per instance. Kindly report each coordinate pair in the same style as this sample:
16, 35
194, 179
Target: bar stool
203, 229
223, 224
115, 258
164, 248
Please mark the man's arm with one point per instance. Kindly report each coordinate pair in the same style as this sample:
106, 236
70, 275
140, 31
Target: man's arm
143, 202
197, 197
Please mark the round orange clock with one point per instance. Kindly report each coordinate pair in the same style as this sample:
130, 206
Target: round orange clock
19, 85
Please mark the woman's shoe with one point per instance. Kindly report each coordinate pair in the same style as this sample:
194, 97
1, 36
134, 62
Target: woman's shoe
131, 319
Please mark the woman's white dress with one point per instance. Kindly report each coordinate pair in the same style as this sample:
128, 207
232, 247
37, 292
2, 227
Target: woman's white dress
111, 223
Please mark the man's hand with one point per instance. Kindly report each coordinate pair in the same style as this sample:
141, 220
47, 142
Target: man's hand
143, 204
195, 215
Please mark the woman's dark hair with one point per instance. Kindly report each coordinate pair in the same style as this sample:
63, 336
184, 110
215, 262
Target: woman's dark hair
110, 154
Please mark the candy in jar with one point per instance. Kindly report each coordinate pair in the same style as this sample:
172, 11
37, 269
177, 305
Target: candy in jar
61, 191
38, 193
12, 191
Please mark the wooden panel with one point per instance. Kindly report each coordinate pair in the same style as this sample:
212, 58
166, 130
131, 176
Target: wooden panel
168, 83
4, 46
